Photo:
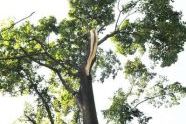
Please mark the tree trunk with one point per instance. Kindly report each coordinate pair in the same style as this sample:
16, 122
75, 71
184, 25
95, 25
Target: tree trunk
86, 96
86, 100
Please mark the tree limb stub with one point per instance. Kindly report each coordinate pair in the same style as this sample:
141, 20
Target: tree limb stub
91, 51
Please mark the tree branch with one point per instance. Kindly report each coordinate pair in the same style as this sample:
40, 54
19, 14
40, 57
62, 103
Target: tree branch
149, 98
130, 91
129, 14
38, 62
47, 107
108, 36
11, 26
114, 33
120, 11
116, 25
67, 87
45, 103
30, 119
101, 28
117, 21
43, 46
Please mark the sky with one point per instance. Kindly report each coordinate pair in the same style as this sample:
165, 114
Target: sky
11, 108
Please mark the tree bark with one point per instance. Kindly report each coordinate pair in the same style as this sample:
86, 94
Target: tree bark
86, 100
85, 94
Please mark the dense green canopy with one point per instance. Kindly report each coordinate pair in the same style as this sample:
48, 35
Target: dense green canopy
60, 49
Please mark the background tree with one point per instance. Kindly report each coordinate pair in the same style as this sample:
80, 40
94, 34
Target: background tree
66, 90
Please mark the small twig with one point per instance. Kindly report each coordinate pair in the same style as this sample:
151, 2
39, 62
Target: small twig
120, 11
118, 20
149, 98
129, 14
100, 29
130, 91
118, 5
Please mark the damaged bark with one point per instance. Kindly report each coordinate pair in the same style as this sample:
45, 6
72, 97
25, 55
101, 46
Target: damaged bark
85, 95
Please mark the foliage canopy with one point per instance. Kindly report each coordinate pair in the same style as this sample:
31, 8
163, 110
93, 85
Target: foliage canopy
151, 26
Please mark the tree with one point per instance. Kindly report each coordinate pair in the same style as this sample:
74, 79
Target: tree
74, 58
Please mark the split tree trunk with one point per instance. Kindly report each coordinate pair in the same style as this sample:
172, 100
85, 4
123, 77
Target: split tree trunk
86, 96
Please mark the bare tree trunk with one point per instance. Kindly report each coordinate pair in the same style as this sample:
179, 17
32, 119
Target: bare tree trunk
86, 100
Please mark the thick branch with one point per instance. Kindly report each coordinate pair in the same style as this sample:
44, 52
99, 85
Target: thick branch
114, 33
108, 36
